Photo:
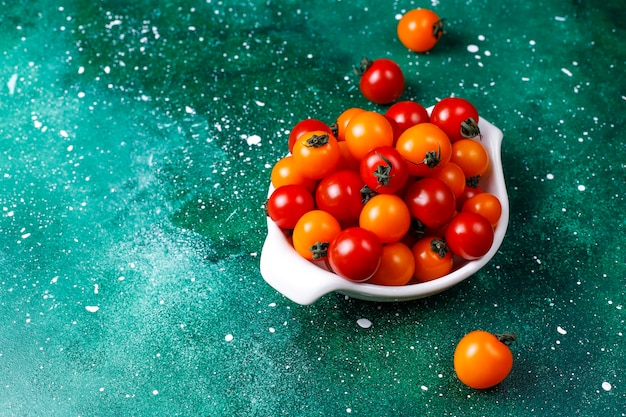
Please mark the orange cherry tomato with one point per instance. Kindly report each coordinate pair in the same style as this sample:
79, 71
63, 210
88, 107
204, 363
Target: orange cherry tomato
453, 176
425, 147
485, 204
483, 360
387, 216
347, 161
313, 233
471, 156
316, 154
396, 266
366, 131
432, 259
284, 172
420, 30
343, 120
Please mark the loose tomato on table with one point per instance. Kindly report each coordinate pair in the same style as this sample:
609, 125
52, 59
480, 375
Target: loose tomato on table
407, 113
430, 201
313, 233
288, 203
366, 131
316, 154
420, 29
483, 360
355, 254
339, 194
304, 126
396, 266
457, 117
387, 216
384, 170
469, 235
433, 259
382, 80
425, 147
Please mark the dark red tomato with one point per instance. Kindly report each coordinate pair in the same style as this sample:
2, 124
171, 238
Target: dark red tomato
407, 113
382, 80
468, 192
355, 254
431, 201
457, 117
304, 126
394, 127
469, 235
339, 194
288, 203
384, 170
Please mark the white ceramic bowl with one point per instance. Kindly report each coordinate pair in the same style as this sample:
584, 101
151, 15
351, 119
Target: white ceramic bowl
304, 282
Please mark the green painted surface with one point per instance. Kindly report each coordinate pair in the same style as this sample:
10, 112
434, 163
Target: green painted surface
131, 216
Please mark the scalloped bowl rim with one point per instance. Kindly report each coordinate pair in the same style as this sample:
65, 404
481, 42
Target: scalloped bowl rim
305, 282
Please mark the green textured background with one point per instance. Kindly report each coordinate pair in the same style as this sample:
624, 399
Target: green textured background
128, 183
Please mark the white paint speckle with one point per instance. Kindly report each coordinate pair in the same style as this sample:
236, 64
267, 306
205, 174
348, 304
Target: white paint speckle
11, 84
92, 309
63, 133
472, 48
424, 388
272, 330
229, 337
364, 323
581, 187
253, 140
560, 18
155, 392
189, 110
259, 103
566, 72
481, 37
561, 330
550, 176
606, 386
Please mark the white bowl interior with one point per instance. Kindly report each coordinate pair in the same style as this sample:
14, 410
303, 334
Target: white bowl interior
304, 282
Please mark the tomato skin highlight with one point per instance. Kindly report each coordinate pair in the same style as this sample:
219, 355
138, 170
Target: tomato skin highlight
481, 360
382, 80
355, 254
288, 203
469, 235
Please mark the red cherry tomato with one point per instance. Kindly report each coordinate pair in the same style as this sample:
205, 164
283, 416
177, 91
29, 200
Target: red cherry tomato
457, 117
355, 254
469, 235
384, 170
304, 126
407, 114
339, 194
483, 360
431, 202
382, 81
288, 203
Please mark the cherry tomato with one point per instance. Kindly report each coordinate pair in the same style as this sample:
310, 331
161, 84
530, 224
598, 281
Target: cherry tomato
344, 119
407, 114
485, 204
420, 29
432, 257
284, 172
469, 235
347, 161
431, 202
339, 194
384, 170
313, 233
425, 147
382, 81
366, 131
453, 176
304, 126
396, 266
483, 360
457, 117
355, 254
316, 154
387, 216
288, 203
472, 157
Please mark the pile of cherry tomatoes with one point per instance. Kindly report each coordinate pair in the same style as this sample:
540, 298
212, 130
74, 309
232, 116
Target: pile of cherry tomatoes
391, 198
